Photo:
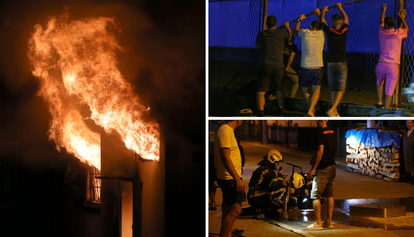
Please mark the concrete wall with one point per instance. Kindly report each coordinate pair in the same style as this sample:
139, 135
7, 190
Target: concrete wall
185, 182
119, 163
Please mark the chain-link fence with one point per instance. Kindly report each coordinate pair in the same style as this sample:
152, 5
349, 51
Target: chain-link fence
407, 71
362, 43
233, 26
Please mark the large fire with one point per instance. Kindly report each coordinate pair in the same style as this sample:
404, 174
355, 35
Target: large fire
76, 64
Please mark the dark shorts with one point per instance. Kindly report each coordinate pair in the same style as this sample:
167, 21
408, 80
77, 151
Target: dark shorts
230, 194
324, 183
310, 76
270, 75
337, 74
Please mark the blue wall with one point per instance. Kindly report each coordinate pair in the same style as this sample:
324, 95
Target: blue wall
236, 23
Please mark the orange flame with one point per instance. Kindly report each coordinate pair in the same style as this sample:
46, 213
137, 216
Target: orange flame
76, 65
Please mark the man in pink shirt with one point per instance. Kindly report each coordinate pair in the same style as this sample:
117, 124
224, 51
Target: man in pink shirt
390, 51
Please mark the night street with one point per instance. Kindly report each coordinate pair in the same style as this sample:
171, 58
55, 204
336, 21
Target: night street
350, 189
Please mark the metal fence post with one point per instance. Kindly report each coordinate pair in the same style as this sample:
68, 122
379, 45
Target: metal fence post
265, 4
402, 66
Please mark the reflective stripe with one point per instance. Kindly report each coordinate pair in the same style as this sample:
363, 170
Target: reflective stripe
255, 194
261, 177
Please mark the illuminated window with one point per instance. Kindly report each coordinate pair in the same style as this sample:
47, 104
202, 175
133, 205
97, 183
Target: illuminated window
94, 185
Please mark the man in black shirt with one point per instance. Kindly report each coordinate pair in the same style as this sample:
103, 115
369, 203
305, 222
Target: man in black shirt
271, 42
324, 180
337, 66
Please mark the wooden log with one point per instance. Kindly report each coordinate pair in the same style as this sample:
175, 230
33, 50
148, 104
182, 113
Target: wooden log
390, 164
352, 155
392, 175
390, 155
387, 179
353, 166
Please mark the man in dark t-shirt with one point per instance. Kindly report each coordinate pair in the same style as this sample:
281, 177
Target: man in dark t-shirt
270, 42
324, 180
289, 53
337, 65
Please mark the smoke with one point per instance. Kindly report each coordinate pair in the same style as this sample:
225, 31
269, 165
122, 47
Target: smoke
163, 57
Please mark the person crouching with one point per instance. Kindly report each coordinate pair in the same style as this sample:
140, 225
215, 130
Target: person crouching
267, 187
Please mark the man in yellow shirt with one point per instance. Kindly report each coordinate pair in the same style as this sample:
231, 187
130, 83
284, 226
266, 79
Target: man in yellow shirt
228, 164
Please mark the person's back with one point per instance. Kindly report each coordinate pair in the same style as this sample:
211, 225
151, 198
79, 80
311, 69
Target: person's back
327, 137
388, 68
311, 72
312, 42
271, 45
390, 44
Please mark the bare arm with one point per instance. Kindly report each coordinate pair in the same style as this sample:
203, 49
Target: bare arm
344, 15
290, 60
297, 26
401, 6
384, 8
317, 160
225, 157
322, 16
286, 25
402, 14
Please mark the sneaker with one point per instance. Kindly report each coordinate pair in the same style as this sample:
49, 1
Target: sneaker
314, 227
245, 112
378, 105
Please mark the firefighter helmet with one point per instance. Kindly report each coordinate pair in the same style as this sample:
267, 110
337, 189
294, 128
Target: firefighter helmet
298, 180
274, 156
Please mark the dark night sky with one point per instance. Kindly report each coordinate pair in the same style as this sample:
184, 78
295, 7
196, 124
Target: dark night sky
164, 59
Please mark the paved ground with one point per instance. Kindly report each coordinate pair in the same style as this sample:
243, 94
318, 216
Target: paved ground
350, 189
223, 101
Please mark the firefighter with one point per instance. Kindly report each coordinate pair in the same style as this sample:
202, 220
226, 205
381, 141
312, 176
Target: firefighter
267, 187
297, 183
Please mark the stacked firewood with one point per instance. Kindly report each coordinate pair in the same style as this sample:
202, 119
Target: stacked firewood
380, 163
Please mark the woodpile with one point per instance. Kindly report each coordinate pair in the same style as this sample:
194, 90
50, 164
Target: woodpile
380, 163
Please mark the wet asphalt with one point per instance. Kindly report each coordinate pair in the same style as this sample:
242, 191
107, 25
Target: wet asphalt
351, 185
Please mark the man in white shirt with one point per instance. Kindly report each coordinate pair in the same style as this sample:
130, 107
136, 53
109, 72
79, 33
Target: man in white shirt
311, 72
228, 164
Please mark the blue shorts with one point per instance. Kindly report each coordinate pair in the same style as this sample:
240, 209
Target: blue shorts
310, 76
337, 74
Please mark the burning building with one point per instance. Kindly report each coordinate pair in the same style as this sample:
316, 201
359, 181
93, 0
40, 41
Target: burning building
90, 157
